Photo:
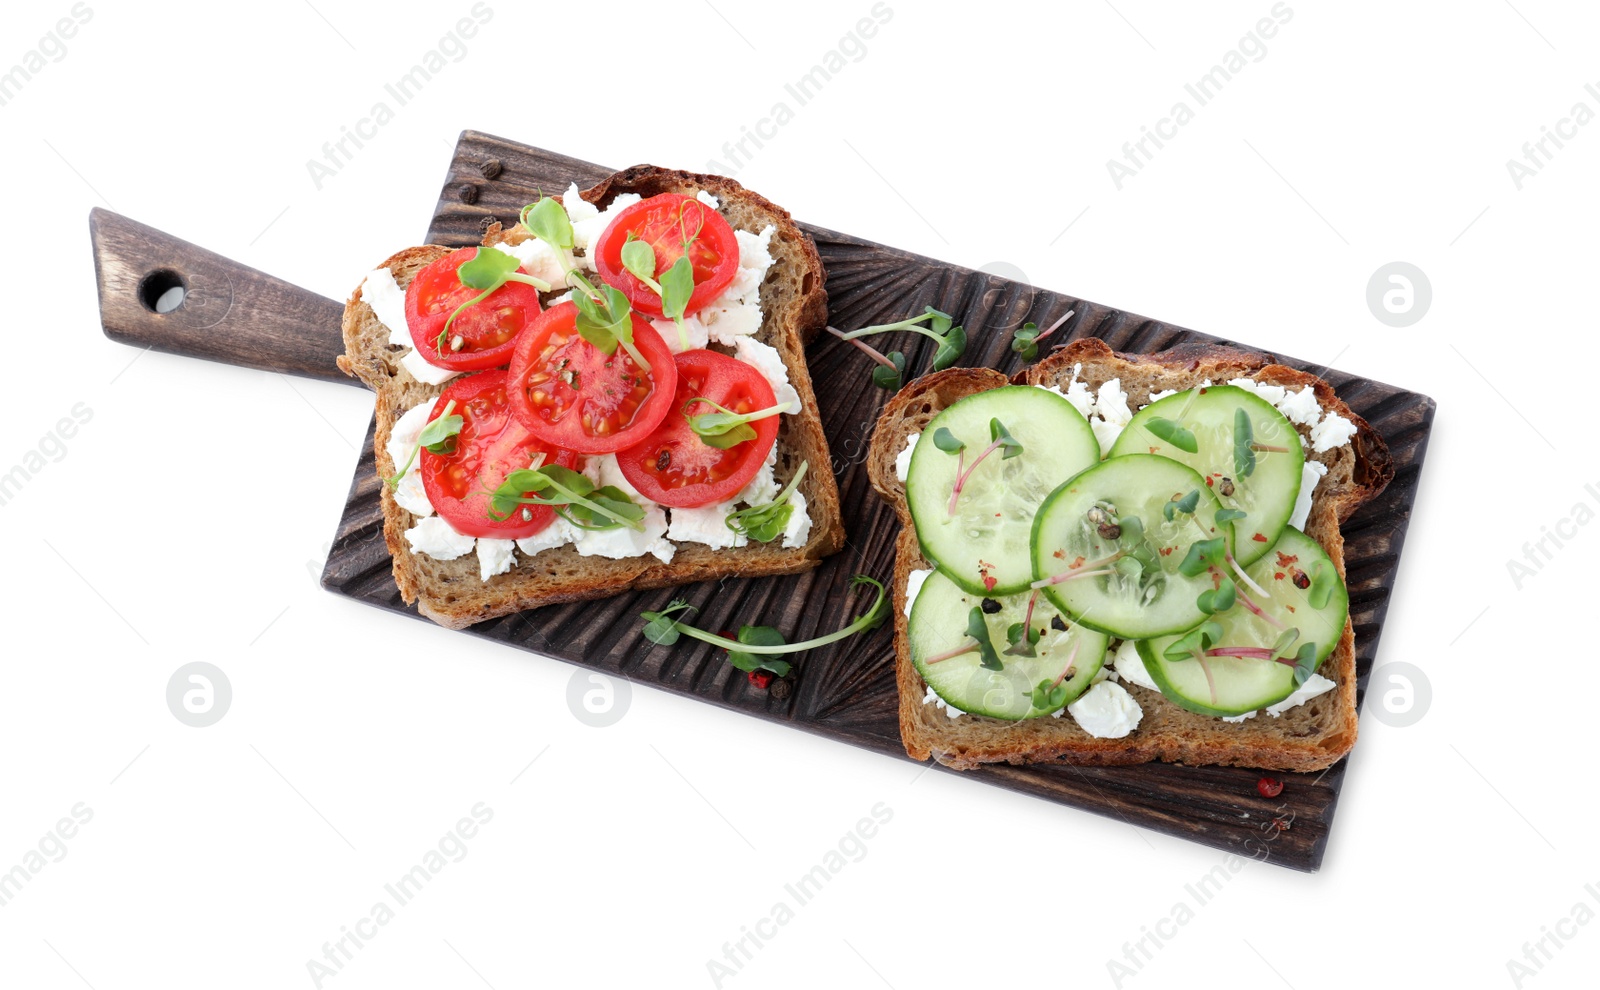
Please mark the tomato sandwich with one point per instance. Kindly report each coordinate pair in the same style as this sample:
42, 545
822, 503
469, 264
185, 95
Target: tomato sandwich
609, 394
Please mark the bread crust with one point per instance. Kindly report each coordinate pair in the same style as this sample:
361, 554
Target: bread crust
1310, 737
452, 592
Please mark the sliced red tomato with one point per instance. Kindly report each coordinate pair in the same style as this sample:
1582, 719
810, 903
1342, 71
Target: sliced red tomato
488, 329
492, 444
573, 395
673, 465
665, 222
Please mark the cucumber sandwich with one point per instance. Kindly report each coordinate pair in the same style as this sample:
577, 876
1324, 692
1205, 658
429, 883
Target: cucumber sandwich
1116, 558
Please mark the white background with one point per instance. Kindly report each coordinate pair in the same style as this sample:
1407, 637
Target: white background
186, 520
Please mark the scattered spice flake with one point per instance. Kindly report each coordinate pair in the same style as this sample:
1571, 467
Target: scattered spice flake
1277, 575
1269, 787
1167, 551
1290, 607
1259, 538
1077, 561
1154, 449
1281, 824
1059, 555
1209, 482
989, 583
1284, 559
760, 678
1202, 391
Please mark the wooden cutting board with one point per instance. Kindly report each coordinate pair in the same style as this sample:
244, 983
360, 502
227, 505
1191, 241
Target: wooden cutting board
846, 691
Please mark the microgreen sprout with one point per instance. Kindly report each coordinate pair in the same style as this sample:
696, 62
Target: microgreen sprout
605, 318
977, 640
1025, 339
941, 328
758, 636
666, 626
1093, 568
488, 270
438, 437
574, 497
1245, 447
763, 523
1323, 581
676, 284
547, 220
1050, 695
999, 438
1186, 505
724, 428
1220, 599
1022, 645
1174, 433
1194, 645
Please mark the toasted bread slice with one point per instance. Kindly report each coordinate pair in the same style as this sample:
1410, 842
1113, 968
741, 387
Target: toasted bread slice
794, 309
1310, 736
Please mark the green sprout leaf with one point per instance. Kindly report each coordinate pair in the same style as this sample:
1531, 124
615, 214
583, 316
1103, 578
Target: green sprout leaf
438, 437
1173, 433
677, 285
1305, 663
660, 627
639, 259
1024, 341
547, 220
1228, 515
1219, 600
951, 347
488, 270
978, 629
1323, 581
1244, 454
1047, 696
763, 523
1010, 445
1022, 639
572, 495
1195, 643
1185, 505
725, 428
871, 619
1285, 640
605, 318
890, 378
947, 442
759, 636
1203, 554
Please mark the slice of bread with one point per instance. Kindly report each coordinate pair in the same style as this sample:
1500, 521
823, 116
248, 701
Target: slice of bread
1310, 736
794, 307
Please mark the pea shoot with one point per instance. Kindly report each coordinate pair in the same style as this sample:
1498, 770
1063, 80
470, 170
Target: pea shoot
890, 373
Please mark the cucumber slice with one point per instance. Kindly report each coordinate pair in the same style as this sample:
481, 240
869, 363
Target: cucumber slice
1145, 594
939, 624
1244, 684
1266, 495
983, 548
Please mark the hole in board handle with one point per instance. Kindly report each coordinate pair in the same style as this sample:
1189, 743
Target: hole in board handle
162, 291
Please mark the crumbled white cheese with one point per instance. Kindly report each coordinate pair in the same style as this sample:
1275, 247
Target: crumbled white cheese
1310, 473
1333, 431
541, 259
1300, 407
403, 438
586, 230
766, 359
1315, 685
914, 587
1106, 433
436, 538
1271, 393
424, 372
902, 460
707, 524
931, 697
1106, 711
624, 541
576, 206
1131, 665
798, 529
388, 302
495, 557
1111, 403
754, 249
693, 329
737, 311
708, 199
1161, 394
1081, 398
763, 488
558, 534
608, 472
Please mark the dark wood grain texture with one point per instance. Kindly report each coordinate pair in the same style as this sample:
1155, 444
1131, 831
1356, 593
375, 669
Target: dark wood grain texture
847, 692
229, 313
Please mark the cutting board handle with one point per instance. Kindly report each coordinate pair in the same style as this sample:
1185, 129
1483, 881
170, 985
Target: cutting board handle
162, 292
